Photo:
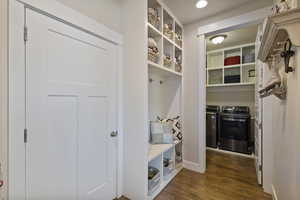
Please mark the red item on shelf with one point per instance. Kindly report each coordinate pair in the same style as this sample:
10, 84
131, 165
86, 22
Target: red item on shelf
234, 60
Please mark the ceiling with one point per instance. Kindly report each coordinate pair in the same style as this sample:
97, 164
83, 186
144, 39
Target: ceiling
236, 37
186, 11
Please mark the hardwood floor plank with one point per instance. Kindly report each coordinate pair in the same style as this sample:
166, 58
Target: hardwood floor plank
228, 177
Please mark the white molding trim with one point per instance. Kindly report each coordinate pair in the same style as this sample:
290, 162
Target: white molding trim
202, 106
274, 194
253, 17
4, 95
193, 166
71, 17
231, 153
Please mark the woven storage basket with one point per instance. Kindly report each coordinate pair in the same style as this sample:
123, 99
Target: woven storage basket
154, 20
167, 63
169, 33
153, 57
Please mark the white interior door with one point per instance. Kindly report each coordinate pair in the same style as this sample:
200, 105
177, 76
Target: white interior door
258, 111
70, 112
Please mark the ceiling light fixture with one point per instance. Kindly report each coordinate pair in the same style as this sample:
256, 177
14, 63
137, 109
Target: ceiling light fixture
218, 39
201, 3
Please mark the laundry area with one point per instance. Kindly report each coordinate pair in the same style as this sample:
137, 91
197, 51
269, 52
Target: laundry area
231, 80
233, 108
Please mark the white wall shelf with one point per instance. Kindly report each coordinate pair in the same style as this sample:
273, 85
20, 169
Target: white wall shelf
163, 71
217, 71
230, 85
158, 149
150, 26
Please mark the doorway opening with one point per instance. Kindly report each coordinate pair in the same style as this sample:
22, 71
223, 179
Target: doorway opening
233, 111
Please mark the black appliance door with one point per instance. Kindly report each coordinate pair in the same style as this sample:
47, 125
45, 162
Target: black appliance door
234, 128
211, 129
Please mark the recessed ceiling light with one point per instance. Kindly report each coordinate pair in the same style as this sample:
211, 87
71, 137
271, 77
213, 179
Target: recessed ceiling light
218, 39
201, 3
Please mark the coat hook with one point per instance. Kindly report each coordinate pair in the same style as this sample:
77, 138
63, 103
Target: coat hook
150, 80
287, 54
161, 82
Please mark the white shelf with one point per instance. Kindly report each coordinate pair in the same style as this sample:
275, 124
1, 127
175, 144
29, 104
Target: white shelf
154, 29
164, 71
213, 68
217, 71
232, 66
158, 149
172, 42
230, 84
248, 64
165, 37
165, 182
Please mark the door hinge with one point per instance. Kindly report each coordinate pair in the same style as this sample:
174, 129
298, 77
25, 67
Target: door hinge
25, 34
25, 135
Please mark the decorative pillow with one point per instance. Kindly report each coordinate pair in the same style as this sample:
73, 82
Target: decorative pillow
175, 124
161, 133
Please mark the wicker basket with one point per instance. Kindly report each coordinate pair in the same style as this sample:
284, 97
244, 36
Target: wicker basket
154, 20
167, 62
168, 32
178, 67
153, 57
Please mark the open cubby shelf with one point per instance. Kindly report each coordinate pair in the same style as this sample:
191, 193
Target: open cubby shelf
168, 43
234, 66
156, 155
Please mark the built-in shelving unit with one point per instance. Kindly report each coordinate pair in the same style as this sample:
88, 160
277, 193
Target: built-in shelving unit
167, 43
153, 88
165, 91
156, 155
220, 73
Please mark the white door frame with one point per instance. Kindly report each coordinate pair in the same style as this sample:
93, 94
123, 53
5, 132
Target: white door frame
4, 94
254, 17
70, 17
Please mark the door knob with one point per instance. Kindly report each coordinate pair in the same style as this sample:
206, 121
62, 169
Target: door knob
114, 134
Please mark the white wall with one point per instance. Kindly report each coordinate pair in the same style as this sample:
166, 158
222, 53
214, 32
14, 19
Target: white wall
107, 12
135, 84
4, 95
164, 98
286, 139
229, 97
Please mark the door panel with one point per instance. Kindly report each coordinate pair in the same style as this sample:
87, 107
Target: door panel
71, 110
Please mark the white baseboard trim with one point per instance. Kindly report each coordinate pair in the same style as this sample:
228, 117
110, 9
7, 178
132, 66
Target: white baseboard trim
274, 194
196, 167
230, 152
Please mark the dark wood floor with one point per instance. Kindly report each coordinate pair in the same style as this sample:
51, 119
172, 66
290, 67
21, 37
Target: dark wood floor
228, 177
